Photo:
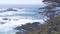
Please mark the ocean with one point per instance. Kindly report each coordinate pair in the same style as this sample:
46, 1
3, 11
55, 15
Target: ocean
23, 15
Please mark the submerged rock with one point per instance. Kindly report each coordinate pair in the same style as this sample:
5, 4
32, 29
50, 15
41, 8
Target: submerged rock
6, 19
2, 22
20, 8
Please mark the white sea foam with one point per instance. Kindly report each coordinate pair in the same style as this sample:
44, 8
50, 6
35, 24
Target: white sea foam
9, 25
17, 20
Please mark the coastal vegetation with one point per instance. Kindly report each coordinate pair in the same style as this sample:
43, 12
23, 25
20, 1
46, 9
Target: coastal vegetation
51, 25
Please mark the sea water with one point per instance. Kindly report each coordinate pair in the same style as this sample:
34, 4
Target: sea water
25, 14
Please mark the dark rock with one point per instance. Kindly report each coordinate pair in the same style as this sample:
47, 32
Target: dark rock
10, 9
2, 22
18, 32
5, 19
20, 8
